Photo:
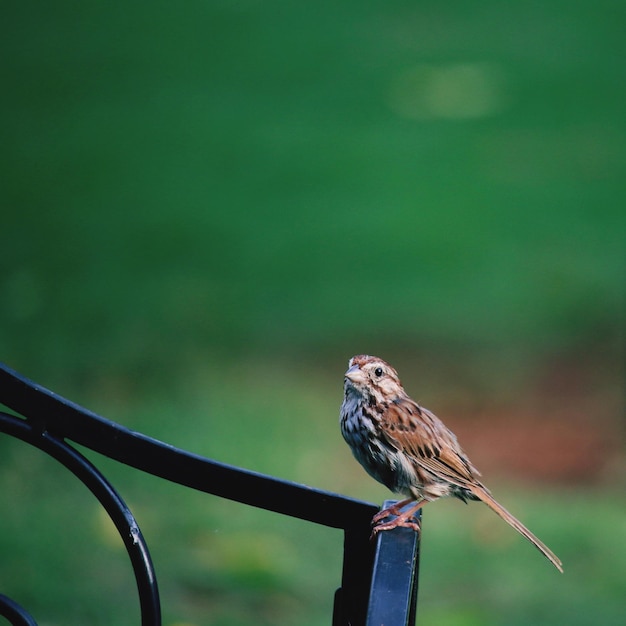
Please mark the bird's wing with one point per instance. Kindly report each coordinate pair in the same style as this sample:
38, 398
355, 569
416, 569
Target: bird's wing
423, 437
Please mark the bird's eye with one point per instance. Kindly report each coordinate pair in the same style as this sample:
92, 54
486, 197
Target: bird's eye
378, 372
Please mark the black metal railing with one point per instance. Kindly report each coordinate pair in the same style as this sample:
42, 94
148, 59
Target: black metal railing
379, 579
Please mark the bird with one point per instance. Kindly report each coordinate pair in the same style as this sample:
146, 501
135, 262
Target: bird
409, 449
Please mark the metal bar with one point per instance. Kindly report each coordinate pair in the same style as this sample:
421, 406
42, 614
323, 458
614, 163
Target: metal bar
393, 594
379, 581
68, 420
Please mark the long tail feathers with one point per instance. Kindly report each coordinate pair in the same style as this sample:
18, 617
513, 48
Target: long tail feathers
481, 493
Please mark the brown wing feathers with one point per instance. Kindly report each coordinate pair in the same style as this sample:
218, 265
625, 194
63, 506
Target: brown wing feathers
423, 437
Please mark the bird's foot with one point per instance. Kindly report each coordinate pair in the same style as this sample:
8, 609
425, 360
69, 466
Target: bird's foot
404, 519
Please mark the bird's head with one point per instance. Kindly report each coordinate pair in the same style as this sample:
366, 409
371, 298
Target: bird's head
370, 376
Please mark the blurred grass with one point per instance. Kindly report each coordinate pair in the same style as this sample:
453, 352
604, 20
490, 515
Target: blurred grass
238, 177
207, 209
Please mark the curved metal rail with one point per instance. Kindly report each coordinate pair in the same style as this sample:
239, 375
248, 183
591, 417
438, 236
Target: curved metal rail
112, 503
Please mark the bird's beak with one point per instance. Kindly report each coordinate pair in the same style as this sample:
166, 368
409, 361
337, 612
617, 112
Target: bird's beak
355, 374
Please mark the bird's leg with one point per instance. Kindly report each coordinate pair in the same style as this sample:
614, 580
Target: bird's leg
394, 509
402, 520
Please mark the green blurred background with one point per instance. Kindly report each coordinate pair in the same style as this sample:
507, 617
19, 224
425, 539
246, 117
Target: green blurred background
208, 207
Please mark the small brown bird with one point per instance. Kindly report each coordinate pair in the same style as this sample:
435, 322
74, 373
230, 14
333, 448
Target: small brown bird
409, 449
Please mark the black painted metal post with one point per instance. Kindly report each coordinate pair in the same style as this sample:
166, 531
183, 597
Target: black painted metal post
393, 594
358, 560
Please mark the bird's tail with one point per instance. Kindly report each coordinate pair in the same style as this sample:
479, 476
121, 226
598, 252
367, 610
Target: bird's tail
482, 494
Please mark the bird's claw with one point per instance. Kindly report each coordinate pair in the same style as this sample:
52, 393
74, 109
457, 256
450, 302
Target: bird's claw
381, 515
395, 523
394, 509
